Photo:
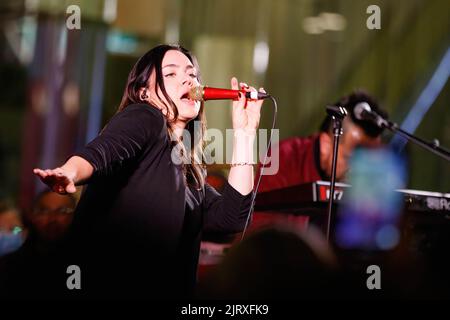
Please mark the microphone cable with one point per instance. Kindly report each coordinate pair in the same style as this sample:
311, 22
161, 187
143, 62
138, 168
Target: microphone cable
263, 165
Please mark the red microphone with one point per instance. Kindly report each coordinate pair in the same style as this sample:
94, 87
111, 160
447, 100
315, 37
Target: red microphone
203, 93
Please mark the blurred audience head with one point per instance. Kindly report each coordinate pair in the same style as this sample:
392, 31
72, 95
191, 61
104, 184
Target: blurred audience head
12, 233
275, 263
51, 215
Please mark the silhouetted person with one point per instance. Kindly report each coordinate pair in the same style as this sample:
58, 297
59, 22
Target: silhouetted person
274, 263
37, 269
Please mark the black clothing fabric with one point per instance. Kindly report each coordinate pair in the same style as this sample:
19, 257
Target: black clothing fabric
138, 226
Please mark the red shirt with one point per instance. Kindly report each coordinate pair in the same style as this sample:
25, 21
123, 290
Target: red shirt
298, 163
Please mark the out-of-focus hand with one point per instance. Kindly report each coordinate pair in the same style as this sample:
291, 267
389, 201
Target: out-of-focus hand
58, 179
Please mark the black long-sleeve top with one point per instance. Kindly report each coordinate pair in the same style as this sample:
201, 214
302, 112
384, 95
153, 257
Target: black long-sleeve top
138, 226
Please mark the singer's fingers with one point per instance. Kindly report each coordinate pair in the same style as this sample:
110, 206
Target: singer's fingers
71, 188
52, 173
262, 90
251, 89
43, 173
240, 103
62, 189
234, 84
256, 104
244, 86
59, 188
38, 172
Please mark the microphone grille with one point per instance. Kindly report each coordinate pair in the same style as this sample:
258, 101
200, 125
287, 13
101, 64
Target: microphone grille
196, 93
360, 108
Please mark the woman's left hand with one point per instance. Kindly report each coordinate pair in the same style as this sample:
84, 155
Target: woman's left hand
246, 113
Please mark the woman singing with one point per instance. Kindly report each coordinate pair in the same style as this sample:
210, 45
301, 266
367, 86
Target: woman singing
138, 225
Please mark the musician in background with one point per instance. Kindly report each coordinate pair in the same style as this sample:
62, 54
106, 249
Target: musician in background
309, 159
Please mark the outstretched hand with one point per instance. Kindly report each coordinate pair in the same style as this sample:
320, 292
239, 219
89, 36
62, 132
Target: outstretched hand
57, 179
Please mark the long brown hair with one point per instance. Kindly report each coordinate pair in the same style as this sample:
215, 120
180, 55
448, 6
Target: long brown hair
139, 78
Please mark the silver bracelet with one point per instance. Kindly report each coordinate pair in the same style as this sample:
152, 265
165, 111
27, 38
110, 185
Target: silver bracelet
241, 164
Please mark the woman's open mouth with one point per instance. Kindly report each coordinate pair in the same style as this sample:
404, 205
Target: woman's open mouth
186, 99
